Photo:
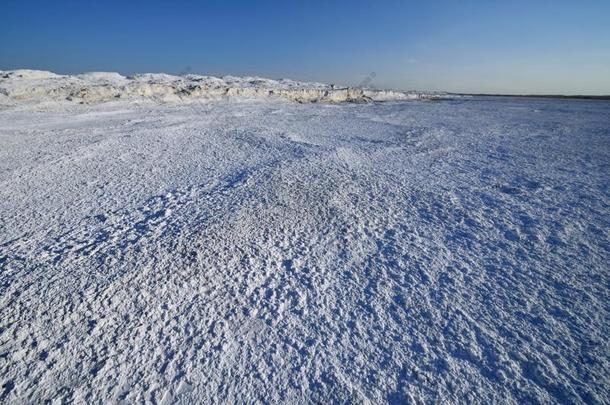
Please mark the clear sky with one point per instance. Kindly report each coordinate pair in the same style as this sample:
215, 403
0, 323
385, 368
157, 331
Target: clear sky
508, 46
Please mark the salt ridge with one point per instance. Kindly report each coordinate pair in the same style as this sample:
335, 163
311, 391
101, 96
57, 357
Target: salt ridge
96, 87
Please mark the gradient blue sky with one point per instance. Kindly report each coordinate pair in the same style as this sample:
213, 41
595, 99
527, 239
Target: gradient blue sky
467, 46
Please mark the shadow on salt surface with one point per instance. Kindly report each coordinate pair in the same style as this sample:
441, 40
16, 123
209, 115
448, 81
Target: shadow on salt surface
107, 235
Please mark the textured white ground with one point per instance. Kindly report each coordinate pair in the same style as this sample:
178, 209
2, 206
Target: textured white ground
245, 251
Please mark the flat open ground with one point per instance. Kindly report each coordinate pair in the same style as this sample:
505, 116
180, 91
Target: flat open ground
243, 251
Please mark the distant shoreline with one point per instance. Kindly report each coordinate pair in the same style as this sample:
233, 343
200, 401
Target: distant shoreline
580, 97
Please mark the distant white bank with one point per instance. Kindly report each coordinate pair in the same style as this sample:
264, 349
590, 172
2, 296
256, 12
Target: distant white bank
104, 86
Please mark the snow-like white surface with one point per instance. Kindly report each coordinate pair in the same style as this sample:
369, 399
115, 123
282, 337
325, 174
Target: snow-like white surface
97, 87
272, 251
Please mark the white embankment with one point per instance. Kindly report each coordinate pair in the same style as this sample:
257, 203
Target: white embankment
102, 86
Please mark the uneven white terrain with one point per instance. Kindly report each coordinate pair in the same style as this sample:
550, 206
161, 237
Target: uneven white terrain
240, 250
102, 86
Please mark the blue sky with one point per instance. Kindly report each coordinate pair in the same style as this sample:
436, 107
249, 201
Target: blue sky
469, 46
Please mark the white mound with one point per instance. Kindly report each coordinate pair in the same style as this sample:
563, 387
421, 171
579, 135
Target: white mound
103, 77
27, 74
104, 86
